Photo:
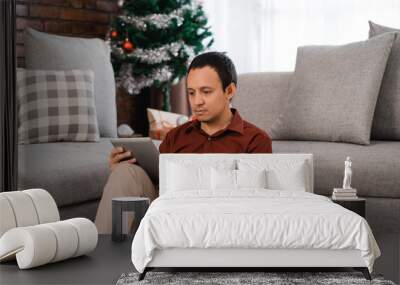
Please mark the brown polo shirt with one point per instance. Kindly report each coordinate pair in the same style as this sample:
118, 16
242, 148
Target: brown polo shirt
238, 137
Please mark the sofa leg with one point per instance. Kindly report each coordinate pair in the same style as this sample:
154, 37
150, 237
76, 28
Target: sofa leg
364, 271
143, 274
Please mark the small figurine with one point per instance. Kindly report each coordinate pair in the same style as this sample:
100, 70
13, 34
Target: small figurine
347, 173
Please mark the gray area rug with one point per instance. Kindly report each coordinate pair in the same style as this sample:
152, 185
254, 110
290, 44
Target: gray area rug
273, 278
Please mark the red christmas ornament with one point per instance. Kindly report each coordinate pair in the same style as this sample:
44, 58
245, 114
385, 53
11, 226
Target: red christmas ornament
113, 34
128, 46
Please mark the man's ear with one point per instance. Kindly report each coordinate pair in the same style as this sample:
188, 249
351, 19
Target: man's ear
231, 90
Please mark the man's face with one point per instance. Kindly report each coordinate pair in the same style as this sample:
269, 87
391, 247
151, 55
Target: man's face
206, 96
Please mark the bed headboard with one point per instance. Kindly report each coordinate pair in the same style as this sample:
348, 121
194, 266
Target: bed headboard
210, 158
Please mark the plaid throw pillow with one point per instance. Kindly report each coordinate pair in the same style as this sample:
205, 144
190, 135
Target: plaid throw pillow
56, 106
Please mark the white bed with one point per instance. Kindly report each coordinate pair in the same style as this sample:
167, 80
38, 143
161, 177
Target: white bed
225, 217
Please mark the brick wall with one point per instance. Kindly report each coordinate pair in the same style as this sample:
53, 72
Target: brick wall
82, 18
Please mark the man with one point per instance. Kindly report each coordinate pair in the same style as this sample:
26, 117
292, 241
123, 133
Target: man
211, 84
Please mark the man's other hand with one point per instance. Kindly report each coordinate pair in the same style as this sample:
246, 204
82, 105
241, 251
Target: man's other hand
119, 155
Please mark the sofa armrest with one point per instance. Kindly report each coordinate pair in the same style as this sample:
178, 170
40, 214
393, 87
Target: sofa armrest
261, 96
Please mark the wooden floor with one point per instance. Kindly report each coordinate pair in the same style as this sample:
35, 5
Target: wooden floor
111, 259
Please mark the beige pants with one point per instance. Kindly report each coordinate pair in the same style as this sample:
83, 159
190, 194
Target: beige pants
125, 180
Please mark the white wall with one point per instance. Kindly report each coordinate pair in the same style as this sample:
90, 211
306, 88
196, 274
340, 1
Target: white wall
263, 35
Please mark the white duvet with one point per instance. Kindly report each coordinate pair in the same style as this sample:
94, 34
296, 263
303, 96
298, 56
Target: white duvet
250, 218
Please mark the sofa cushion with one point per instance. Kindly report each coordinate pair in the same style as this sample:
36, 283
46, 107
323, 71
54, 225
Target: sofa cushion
72, 172
260, 97
333, 93
46, 51
386, 124
375, 167
56, 105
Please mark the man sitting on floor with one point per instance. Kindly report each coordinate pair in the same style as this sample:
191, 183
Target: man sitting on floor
218, 128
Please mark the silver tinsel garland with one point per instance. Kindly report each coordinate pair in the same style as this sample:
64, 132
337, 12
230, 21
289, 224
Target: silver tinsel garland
134, 85
153, 56
160, 21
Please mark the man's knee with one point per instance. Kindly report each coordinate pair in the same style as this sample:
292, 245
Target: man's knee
127, 171
124, 169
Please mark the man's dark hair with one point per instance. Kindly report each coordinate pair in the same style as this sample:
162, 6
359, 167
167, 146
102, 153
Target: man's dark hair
222, 64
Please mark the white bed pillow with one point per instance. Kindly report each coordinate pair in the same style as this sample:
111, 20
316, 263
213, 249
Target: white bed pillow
251, 178
237, 179
223, 179
281, 174
184, 175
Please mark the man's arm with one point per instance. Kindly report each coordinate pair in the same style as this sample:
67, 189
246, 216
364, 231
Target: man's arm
260, 143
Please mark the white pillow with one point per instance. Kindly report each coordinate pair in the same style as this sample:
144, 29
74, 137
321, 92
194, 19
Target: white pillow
251, 178
223, 179
281, 174
237, 179
193, 174
185, 177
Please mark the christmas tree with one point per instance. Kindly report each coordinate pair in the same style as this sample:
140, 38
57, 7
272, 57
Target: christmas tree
153, 41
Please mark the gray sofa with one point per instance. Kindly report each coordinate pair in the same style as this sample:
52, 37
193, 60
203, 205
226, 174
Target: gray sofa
260, 99
75, 173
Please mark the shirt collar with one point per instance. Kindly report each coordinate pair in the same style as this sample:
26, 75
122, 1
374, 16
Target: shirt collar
235, 125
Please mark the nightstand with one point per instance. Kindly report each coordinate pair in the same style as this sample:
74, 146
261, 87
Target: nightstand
138, 205
355, 205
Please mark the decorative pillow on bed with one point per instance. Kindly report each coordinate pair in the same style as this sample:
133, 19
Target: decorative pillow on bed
281, 175
251, 178
223, 178
56, 106
183, 175
237, 179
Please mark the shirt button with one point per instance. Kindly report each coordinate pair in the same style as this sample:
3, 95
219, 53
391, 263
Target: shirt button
209, 138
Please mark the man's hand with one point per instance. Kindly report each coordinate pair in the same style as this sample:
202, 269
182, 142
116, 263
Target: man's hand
120, 155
